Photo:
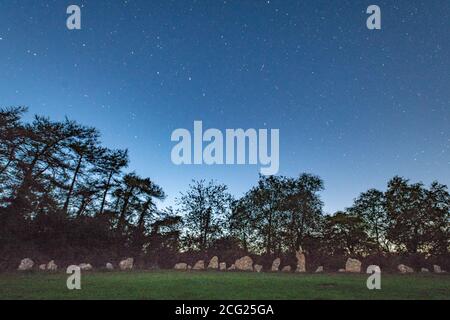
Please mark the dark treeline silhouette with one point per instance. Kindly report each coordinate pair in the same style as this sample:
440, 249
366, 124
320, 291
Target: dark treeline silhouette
66, 197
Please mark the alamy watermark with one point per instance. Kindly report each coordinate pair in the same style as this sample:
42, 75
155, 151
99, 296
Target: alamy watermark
374, 20
73, 22
239, 146
74, 280
374, 280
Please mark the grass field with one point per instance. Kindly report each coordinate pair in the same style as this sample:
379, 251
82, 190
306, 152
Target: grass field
216, 285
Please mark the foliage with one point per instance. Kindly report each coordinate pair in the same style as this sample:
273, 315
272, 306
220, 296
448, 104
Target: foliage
64, 196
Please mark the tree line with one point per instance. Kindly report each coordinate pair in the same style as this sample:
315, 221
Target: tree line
63, 195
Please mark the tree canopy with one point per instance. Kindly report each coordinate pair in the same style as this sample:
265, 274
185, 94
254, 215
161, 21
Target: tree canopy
65, 195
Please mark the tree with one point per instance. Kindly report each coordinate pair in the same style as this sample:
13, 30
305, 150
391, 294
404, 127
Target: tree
345, 234
263, 201
11, 131
150, 191
370, 206
280, 213
304, 207
84, 149
136, 195
409, 221
109, 165
204, 206
439, 216
43, 159
54, 176
240, 223
164, 238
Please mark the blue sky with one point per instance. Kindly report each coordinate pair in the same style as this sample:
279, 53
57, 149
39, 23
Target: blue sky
353, 106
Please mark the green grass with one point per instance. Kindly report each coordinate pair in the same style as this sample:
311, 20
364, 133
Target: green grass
226, 285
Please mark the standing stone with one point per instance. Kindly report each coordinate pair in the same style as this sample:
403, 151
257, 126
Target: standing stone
276, 264
258, 267
319, 269
214, 263
189, 267
437, 269
301, 261
126, 264
181, 266
43, 267
404, 269
85, 267
244, 264
51, 266
424, 270
223, 266
232, 267
286, 269
109, 266
353, 265
26, 265
199, 265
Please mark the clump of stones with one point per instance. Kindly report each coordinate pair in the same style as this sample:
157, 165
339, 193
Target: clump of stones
242, 264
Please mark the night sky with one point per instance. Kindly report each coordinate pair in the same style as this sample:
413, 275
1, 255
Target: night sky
353, 106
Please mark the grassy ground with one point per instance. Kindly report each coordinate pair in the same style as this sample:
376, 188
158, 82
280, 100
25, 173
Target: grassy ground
217, 285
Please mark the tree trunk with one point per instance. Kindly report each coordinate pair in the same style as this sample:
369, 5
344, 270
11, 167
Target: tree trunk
82, 207
69, 194
143, 213
269, 235
125, 207
106, 192
10, 159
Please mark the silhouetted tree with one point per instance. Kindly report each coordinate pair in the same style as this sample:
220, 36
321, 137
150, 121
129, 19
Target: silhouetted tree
304, 209
370, 206
417, 217
204, 206
240, 223
345, 234
110, 165
64, 195
137, 196
84, 149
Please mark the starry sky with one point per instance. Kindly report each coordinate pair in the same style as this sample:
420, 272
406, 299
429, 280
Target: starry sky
353, 106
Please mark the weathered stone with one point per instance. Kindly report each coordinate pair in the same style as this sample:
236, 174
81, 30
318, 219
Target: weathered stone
43, 267
424, 270
223, 266
232, 267
341, 270
189, 267
276, 264
319, 269
301, 261
181, 266
244, 264
404, 269
109, 266
126, 264
437, 269
214, 263
258, 267
353, 265
26, 265
199, 265
51, 266
85, 266
286, 269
